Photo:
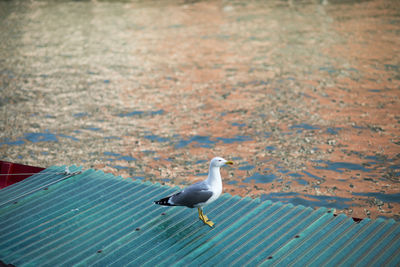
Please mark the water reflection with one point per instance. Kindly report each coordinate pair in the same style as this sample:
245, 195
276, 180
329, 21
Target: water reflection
302, 94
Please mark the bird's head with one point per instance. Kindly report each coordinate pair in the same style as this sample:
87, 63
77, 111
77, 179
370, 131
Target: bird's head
219, 162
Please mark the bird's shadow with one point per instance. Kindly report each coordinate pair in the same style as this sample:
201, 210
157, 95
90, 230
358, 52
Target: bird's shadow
170, 226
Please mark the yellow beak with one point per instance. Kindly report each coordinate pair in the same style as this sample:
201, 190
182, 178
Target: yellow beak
229, 163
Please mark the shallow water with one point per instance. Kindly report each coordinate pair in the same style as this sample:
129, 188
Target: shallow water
302, 95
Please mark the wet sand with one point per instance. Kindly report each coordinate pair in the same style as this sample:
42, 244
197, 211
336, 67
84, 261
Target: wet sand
304, 97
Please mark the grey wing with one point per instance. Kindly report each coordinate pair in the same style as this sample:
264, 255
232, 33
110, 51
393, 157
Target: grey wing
192, 195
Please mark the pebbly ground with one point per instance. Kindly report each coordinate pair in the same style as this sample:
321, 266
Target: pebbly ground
303, 96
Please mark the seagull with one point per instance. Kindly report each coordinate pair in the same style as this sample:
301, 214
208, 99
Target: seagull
201, 193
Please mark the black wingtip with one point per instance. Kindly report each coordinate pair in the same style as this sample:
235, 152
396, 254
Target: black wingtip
163, 202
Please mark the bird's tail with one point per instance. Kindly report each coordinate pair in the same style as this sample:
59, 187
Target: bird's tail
164, 202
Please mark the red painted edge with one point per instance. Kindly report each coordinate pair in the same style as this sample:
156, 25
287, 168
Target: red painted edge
7, 168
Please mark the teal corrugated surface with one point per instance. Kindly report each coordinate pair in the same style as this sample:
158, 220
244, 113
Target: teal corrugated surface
98, 219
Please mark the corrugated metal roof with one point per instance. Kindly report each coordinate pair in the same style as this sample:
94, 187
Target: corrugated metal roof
98, 219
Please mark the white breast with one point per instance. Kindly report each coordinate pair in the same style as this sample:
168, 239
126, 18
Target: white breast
217, 190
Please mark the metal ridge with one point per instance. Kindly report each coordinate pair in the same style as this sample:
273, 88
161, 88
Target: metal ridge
97, 219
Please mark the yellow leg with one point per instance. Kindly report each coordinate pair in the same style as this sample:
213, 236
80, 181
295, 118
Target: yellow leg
204, 218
